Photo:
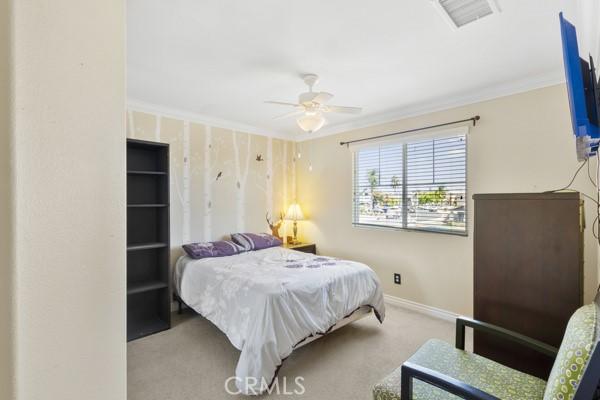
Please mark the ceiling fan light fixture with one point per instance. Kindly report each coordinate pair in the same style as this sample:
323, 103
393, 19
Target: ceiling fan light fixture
312, 105
311, 123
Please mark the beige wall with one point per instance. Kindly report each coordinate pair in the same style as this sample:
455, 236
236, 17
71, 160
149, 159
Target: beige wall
523, 143
204, 207
69, 137
6, 238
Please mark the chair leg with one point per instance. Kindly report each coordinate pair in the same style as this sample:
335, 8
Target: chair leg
406, 385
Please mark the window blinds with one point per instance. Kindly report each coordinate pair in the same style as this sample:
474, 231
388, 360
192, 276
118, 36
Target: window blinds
418, 184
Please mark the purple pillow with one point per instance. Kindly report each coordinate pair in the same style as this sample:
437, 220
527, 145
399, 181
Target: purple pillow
221, 248
255, 241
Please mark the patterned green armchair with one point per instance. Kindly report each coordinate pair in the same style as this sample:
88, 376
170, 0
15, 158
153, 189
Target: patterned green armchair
439, 371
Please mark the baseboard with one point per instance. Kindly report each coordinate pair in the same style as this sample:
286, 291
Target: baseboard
421, 308
397, 301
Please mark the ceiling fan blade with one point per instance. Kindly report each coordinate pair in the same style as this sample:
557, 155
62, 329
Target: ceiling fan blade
282, 103
343, 110
289, 114
322, 97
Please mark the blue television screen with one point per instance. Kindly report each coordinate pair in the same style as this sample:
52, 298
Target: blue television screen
582, 89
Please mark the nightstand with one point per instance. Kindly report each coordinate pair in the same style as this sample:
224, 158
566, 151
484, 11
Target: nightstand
303, 247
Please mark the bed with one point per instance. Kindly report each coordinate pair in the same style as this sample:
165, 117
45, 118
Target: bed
269, 302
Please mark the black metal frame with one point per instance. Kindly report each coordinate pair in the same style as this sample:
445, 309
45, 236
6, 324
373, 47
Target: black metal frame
180, 303
588, 387
463, 322
411, 371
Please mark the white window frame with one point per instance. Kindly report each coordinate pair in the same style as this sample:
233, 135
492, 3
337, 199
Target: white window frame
406, 139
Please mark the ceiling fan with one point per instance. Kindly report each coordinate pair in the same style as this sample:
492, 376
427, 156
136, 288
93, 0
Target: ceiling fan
312, 105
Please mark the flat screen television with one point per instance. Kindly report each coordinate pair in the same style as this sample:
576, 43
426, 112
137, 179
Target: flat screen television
583, 90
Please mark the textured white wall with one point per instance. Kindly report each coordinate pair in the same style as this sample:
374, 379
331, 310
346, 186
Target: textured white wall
523, 143
588, 28
69, 136
6, 239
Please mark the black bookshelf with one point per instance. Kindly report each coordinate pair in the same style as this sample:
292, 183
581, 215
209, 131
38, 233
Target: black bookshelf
148, 276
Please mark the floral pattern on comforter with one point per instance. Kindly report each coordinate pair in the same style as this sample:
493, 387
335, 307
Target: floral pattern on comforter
268, 300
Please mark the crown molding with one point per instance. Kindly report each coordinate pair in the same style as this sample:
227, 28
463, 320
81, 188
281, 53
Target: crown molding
491, 93
164, 111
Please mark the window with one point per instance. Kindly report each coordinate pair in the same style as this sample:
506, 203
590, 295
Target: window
418, 184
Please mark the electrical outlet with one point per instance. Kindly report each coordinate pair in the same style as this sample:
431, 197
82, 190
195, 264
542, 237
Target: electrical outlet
397, 279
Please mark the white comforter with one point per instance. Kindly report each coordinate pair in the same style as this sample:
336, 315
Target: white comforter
267, 301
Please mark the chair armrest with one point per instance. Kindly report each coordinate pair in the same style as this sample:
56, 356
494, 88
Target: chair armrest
446, 383
462, 322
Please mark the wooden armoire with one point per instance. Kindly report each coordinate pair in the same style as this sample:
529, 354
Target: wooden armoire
528, 271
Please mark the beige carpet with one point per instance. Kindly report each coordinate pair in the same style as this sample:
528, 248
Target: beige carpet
193, 359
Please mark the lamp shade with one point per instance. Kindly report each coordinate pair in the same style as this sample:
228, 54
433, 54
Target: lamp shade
294, 213
311, 122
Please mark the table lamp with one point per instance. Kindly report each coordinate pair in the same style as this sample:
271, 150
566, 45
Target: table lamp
294, 213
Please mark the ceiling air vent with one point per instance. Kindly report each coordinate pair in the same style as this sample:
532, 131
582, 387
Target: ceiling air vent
462, 12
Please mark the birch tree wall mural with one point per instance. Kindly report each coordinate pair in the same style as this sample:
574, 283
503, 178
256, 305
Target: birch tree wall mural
222, 181
269, 176
186, 183
157, 128
208, 181
241, 175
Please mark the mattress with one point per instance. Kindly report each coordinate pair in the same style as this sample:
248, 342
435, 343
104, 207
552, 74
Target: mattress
269, 301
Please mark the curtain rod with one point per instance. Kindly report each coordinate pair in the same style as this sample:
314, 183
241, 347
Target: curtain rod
473, 119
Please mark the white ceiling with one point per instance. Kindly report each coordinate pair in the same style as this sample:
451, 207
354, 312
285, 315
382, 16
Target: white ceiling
223, 58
